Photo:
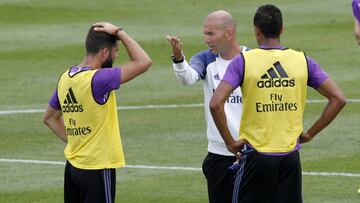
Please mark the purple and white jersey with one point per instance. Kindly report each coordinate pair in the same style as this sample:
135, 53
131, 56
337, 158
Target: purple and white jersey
356, 9
104, 80
210, 68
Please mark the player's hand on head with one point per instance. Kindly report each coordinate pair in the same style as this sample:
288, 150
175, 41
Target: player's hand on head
176, 46
105, 27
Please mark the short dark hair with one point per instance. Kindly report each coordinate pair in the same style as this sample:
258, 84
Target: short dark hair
268, 19
95, 41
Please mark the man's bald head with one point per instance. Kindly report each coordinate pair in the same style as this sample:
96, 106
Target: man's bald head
220, 34
222, 18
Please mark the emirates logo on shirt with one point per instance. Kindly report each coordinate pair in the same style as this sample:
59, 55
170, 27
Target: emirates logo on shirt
276, 77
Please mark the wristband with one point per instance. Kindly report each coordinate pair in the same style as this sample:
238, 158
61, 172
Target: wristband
116, 32
177, 61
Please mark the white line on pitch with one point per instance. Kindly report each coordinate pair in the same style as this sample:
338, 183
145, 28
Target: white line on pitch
169, 106
29, 161
165, 106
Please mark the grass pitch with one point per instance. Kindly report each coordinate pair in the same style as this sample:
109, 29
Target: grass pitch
40, 39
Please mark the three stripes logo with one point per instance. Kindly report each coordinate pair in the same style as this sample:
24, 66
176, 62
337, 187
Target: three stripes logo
71, 104
70, 97
217, 77
276, 77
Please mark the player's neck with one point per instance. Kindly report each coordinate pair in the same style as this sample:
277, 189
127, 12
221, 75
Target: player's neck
270, 42
90, 62
231, 52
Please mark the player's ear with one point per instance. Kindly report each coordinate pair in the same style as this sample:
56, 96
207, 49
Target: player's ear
258, 35
105, 52
230, 32
281, 30
258, 32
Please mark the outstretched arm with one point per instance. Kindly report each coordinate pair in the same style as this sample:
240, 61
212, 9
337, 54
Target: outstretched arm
336, 102
139, 59
183, 71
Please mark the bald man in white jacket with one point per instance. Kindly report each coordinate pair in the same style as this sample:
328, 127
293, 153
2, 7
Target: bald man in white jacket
210, 66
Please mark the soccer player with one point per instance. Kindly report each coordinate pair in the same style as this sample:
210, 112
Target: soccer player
356, 12
82, 112
273, 80
210, 66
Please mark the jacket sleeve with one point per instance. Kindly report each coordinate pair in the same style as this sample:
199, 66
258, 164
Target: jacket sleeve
185, 73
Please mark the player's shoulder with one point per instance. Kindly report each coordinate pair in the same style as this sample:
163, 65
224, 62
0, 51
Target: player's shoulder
107, 74
356, 9
244, 48
356, 3
107, 70
206, 56
200, 62
247, 51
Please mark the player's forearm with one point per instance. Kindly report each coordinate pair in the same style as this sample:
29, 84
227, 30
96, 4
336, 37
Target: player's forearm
217, 104
357, 31
185, 73
57, 127
135, 51
331, 110
219, 116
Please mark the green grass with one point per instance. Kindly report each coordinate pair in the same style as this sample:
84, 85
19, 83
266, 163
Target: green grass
41, 39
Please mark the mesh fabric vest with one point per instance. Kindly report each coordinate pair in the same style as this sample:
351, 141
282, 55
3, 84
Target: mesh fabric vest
274, 95
92, 129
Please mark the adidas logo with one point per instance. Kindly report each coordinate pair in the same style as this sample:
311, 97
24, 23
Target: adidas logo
217, 77
276, 77
71, 104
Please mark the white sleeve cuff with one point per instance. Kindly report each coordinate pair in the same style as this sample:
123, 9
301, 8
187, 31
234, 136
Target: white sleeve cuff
181, 67
185, 73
